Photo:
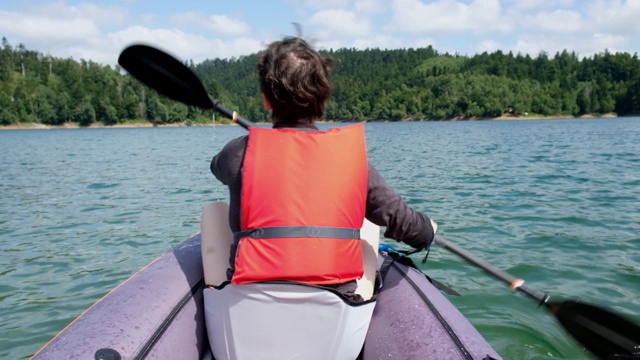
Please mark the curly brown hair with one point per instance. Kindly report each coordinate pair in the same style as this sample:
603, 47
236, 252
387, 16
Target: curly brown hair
295, 79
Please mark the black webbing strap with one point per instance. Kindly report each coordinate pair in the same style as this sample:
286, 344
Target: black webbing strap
388, 259
391, 256
299, 231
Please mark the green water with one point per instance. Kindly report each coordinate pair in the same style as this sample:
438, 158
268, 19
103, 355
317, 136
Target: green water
555, 202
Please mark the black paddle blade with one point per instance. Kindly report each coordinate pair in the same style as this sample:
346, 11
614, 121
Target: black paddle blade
605, 334
165, 74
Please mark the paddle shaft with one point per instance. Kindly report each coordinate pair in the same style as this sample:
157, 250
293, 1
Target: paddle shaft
230, 114
491, 270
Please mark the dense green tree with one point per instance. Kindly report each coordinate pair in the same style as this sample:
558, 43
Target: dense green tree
370, 84
629, 102
84, 114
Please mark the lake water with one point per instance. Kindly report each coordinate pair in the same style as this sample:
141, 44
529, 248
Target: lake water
556, 202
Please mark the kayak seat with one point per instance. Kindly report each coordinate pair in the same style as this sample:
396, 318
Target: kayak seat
284, 321
279, 320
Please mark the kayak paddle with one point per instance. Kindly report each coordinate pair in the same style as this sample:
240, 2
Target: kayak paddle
167, 75
605, 334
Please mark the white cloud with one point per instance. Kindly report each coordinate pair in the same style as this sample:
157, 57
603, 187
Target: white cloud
61, 10
379, 41
92, 30
528, 4
184, 45
537, 4
423, 42
563, 21
447, 16
228, 26
102, 14
369, 6
533, 46
488, 46
585, 45
218, 24
39, 28
39, 23
598, 42
589, 28
336, 23
73, 31
620, 17
323, 4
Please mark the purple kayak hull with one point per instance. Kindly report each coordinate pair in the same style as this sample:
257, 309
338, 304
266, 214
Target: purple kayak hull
158, 314
413, 320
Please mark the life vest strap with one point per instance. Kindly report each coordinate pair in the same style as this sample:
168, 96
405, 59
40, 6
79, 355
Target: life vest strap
298, 231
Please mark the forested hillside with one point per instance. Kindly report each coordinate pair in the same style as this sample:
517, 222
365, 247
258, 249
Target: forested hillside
35, 88
369, 85
379, 84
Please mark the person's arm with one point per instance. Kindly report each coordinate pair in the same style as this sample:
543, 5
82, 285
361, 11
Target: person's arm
386, 208
228, 162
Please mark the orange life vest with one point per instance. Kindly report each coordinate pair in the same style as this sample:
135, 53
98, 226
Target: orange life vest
303, 204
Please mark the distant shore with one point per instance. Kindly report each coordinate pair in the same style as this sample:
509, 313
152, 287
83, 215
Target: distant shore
541, 117
35, 126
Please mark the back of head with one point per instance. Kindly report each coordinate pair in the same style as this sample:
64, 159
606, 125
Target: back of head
295, 79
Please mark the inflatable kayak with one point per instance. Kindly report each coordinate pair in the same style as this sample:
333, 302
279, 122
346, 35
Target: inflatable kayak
158, 313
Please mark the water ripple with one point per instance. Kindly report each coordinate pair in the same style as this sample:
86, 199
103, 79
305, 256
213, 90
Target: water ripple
553, 202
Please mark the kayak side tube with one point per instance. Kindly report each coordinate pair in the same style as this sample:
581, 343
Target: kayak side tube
156, 313
414, 320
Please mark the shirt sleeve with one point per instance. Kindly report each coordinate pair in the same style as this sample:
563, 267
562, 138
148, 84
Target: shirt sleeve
227, 164
386, 208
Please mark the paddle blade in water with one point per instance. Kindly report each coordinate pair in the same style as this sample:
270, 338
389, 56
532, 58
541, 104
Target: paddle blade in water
165, 74
605, 334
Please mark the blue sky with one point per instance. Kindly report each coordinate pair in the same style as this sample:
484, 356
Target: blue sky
199, 29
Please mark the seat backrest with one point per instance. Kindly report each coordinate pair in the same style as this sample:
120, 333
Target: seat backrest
284, 321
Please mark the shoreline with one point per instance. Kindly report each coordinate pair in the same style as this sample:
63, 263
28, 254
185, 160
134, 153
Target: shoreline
37, 126
559, 117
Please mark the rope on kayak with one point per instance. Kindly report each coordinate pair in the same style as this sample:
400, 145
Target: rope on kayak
151, 342
443, 322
